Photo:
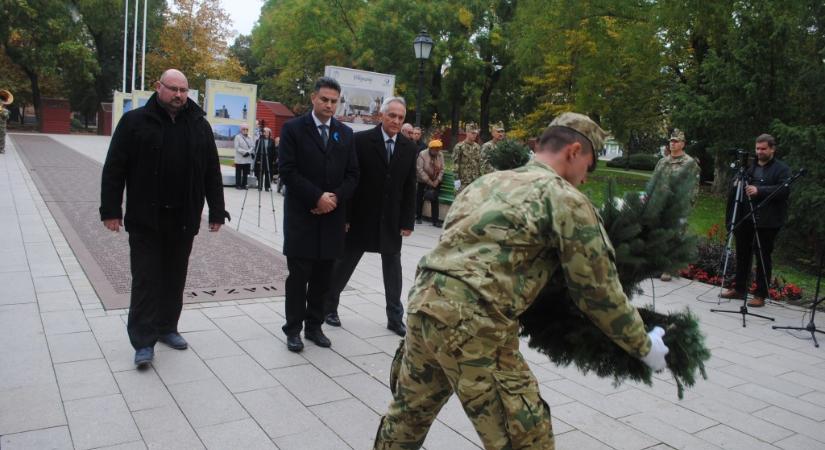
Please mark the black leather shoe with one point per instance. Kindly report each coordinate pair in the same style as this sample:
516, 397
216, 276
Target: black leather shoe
438, 223
174, 340
318, 338
419, 221
398, 328
333, 320
294, 343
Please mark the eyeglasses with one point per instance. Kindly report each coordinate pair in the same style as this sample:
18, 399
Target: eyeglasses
181, 90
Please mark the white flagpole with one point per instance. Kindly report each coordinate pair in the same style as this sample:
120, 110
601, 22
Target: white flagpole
125, 40
134, 45
143, 51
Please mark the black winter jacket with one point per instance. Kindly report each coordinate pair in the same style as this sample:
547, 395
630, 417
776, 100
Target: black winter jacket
773, 214
134, 162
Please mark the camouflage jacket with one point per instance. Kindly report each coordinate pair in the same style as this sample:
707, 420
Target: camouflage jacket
504, 237
670, 165
467, 162
486, 149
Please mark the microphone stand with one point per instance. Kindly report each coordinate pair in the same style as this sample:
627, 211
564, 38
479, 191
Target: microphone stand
811, 327
752, 216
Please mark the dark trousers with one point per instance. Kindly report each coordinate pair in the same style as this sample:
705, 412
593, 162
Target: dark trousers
746, 250
391, 268
419, 202
241, 174
264, 176
306, 285
159, 261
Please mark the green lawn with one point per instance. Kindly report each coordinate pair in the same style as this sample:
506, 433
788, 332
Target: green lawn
709, 210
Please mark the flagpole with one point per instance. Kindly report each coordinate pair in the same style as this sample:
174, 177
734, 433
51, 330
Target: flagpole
125, 40
143, 51
134, 45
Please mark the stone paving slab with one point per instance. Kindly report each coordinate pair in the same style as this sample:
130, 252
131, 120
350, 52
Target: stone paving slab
66, 363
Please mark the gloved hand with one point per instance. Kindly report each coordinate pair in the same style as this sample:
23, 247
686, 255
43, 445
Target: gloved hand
457, 184
655, 359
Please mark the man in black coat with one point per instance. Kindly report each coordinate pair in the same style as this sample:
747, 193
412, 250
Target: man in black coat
382, 210
763, 178
319, 167
164, 154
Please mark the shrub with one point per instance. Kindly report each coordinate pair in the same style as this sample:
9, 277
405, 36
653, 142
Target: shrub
638, 161
508, 154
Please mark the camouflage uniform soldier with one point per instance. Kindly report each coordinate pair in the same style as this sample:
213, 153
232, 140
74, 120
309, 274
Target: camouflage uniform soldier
504, 237
489, 146
467, 159
677, 161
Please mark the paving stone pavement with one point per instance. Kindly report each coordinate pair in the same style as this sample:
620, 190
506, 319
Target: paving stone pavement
67, 379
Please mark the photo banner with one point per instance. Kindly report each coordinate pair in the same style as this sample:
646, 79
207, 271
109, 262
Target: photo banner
124, 102
229, 105
362, 94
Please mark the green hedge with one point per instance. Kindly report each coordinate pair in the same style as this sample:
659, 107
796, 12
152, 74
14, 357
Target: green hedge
639, 161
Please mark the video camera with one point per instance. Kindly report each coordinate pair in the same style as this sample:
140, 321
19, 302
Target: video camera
741, 157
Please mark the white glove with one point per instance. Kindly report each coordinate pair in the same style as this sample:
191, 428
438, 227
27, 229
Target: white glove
457, 184
655, 359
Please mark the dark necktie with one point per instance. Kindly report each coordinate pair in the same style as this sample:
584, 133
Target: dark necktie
389, 149
324, 134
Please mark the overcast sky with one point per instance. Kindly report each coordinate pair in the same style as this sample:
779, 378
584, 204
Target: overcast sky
244, 13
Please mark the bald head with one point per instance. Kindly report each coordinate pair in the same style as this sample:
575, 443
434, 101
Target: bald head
172, 89
174, 75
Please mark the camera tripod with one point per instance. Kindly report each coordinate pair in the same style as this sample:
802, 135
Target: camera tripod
811, 327
262, 160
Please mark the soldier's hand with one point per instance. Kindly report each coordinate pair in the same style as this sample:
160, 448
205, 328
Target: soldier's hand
405, 233
457, 184
113, 224
655, 359
751, 190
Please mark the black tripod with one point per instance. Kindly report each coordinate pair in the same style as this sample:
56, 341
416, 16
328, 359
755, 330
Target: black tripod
262, 160
811, 327
740, 180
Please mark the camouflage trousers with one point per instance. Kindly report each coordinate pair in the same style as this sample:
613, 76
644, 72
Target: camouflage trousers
2, 137
493, 382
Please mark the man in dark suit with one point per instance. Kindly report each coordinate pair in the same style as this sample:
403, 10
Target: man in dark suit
382, 210
318, 164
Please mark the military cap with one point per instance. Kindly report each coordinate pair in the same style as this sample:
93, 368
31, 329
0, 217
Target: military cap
498, 126
471, 128
435, 143
582, 125
677, 135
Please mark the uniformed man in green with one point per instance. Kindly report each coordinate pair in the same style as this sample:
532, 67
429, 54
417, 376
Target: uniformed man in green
505, 236
489, 146
676, 161
467, 159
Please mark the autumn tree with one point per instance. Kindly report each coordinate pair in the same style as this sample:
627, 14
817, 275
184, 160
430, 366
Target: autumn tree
194, 39
597, 57
45, 39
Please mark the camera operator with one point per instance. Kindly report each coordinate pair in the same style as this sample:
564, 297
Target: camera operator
762, 178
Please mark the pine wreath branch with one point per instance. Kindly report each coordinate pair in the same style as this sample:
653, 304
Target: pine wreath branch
648, 233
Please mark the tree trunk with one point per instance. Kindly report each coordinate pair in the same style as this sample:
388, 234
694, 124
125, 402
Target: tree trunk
35, 83
454, 114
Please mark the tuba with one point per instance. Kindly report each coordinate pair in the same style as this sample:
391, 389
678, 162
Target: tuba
6, 97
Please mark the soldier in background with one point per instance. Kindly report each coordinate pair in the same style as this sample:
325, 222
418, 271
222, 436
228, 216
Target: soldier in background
504, 237
467, 159
674, 161
489, 146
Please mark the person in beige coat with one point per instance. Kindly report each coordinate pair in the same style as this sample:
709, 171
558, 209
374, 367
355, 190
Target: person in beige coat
429, 171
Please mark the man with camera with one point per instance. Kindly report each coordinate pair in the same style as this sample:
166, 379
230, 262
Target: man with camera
762, 179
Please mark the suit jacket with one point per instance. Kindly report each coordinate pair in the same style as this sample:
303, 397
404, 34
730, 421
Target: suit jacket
384, 201
309, 169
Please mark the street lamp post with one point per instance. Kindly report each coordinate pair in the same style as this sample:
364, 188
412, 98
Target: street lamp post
423, 45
